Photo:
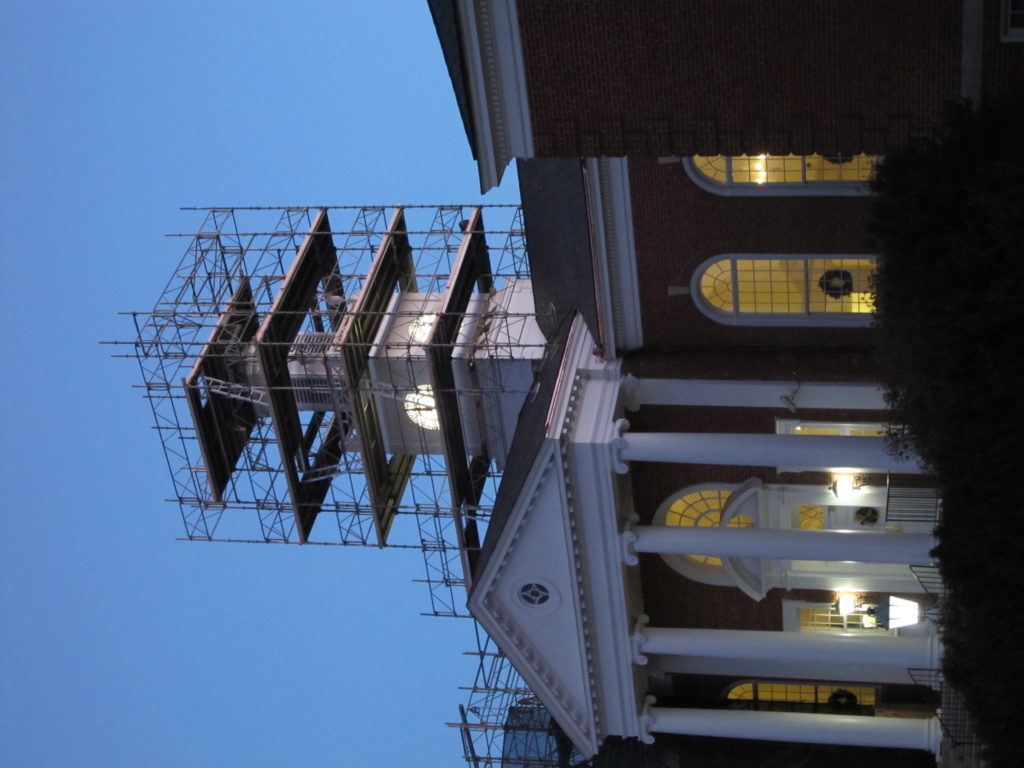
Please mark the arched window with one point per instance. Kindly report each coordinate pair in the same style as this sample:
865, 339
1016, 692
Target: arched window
700, 506
780, 289
703, 508
782, 174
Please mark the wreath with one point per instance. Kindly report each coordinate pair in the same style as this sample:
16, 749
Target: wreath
836, 283
842, 700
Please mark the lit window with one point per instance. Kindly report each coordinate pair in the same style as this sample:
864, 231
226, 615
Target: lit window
811, 517
827, 618
755, 289
829, 428
721, 505
782, 174
802, 697
421, 408
420, 327
701, 509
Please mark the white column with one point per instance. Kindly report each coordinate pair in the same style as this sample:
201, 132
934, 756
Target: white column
809, 452
850, 730
880, 649
787, 544
752, 394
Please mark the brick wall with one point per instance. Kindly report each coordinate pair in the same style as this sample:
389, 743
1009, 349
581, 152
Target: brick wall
679, 226
1002, 66
824, 362
731, 77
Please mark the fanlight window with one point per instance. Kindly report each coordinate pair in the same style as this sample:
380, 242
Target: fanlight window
783, 174
700, 509
786, 290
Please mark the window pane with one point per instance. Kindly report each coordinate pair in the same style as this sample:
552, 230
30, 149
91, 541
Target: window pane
747, 170
840, 168
703, 509
840, 285
770, 285
786, 169
819, 619
714, 167
742, 692
812, 518
716, 285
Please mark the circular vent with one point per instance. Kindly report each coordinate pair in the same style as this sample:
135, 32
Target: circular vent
534, 594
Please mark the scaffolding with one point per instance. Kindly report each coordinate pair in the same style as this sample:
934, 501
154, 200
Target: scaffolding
286, 356
503, 725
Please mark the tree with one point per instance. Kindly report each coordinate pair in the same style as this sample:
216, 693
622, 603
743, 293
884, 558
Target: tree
948, 225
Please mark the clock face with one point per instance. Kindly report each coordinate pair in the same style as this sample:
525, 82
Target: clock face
419, 328
421, 408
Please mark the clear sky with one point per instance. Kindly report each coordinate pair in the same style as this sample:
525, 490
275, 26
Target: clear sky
120, 646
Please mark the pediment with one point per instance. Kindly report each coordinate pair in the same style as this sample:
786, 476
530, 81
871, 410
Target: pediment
527, 599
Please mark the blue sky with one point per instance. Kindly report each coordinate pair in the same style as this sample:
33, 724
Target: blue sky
120, 645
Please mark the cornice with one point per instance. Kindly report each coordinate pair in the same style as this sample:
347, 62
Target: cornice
565, 441
493, 55
614, 246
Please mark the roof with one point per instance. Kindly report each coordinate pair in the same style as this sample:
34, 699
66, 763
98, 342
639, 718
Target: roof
446, 22
558, 242
530, 432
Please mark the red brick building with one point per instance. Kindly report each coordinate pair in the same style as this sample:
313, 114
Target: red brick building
694, 187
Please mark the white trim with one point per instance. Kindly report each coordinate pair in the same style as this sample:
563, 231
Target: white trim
597, 507
972, 43
598, 504
498, 102
1007, 34
614, 248
777, 189
565, 689
812, 320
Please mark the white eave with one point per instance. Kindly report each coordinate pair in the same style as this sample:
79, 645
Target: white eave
610, 208
493, 58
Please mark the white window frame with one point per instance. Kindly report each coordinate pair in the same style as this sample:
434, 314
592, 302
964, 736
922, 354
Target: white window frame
1011, 33
775, 189
781, 319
